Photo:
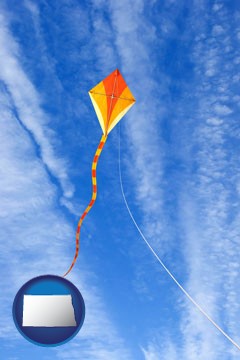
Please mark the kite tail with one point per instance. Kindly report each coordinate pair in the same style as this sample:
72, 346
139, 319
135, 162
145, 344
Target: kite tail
93, 199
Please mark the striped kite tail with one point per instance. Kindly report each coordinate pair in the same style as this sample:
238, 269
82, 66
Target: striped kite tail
93, 199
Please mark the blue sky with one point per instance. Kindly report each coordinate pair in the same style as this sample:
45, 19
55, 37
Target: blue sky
180, 168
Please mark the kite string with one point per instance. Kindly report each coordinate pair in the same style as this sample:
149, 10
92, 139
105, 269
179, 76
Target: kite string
91, 203
160, 261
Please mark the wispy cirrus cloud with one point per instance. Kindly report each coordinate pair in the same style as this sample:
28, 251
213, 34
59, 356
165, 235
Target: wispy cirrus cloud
32, 235
133, 33
166, 350
209, 213
28, 107
181, 166
34, 230
204, 195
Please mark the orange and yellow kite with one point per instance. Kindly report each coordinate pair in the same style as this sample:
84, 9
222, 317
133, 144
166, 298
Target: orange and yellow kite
111, 99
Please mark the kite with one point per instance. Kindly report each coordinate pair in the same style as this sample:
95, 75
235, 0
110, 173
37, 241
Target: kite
111, 99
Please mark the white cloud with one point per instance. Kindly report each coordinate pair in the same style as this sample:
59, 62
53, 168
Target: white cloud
37, 230
164, 351
34, 232
217, 30
32, 7
27, 102
222, 109
207, 207
130, 25
34, 236
205, 199
217, 7
214, 121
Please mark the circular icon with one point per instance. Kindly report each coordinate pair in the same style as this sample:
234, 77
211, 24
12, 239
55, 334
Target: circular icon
48, 310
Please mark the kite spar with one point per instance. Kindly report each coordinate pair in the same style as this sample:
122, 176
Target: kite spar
111, 99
